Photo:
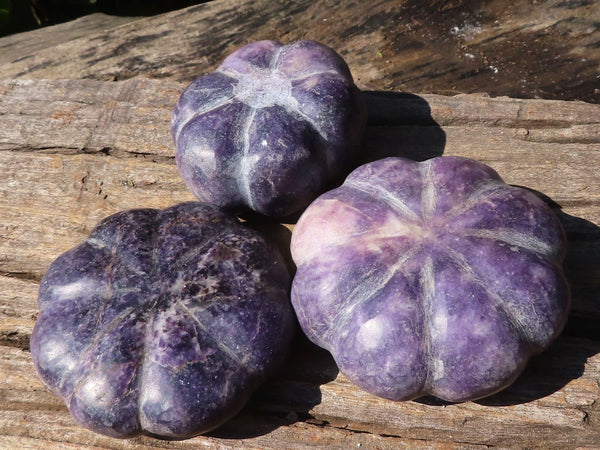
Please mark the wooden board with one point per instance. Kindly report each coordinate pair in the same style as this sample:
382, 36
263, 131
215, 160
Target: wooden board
18, 47
74, 151
76, 146
546, 49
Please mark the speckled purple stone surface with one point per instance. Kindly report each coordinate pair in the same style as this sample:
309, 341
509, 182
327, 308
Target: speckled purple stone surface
270, 128
162, 322
432, 278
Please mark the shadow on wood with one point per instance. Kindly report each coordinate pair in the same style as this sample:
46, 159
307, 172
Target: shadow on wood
539, 380
287, 398
400, 124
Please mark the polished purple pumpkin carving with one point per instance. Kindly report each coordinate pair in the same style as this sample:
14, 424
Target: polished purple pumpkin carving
270, 128
430, 278
162, 322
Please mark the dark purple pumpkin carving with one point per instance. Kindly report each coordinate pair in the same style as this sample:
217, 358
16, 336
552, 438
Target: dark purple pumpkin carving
162, 322
270, 128
430, 278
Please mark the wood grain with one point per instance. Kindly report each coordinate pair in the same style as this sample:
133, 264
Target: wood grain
74, 151
18, 47
561, 413
76, 146
546, 49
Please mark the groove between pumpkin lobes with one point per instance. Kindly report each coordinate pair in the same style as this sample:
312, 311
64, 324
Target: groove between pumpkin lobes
246, 119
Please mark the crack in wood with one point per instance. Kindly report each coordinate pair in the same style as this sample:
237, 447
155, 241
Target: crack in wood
32, 277
114, 152
17, 339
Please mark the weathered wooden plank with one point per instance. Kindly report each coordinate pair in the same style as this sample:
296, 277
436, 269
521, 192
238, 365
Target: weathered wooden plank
74, 151
395, 108
554, 404
39, 417
18, 310
67, 196
88, 149
66, 115
531, 410
547, 406
546, 49
19, 47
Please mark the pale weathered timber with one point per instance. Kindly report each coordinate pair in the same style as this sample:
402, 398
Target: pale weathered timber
74, 151
311, 405
527, 49
20, 46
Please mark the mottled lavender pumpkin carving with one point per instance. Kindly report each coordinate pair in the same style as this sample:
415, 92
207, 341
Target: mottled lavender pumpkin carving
429, 278
270, 128
162, 322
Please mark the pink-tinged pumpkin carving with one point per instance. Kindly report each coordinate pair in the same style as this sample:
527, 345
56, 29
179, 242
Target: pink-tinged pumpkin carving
432, 278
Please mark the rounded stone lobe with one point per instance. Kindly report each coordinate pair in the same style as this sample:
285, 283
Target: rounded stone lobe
162, 322
270, 129
432, 278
